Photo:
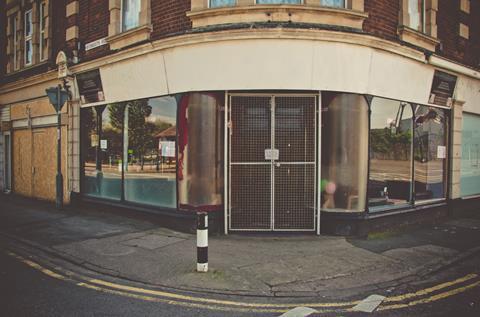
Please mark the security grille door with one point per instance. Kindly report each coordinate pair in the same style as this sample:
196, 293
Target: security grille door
272, 163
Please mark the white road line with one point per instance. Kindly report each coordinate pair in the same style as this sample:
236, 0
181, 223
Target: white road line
299, 312
369, 304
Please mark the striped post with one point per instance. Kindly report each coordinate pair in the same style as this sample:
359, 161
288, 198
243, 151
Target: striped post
202, 242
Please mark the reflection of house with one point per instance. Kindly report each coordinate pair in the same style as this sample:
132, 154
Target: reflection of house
169, 134
166, 142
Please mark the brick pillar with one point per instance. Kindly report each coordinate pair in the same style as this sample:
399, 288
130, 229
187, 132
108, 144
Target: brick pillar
456, 149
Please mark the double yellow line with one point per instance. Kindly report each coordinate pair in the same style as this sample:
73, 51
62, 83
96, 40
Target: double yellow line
423, 296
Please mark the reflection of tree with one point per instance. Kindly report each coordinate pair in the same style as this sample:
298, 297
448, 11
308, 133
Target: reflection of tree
388, 145
141, 132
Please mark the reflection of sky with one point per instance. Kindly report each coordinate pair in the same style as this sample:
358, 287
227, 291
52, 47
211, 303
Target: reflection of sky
385, 111
163, 108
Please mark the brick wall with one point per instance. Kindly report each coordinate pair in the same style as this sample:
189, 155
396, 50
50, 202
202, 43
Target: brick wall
382, 18
93, 25
3, 39
168, 17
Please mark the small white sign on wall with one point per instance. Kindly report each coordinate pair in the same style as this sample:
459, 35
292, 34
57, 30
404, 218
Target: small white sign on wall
441, 152
103, 144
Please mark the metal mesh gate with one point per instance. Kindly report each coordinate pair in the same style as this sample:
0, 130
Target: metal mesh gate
272, 162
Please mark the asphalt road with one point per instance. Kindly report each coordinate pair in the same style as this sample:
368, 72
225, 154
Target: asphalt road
26, 291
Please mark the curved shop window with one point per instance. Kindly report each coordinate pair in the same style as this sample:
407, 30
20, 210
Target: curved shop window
344, 152
408, 154
430, 152
129, 151
391, 139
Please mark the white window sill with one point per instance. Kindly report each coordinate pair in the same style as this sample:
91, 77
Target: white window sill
417, 38
278, 13
130, 37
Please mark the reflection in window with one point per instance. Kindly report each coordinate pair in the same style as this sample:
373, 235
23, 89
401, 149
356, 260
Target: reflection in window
149, 151
333, 3
28, 38
102, 146
200, 151
279, 1
344, 152
222, 3
416, 12
130, 14
470, 170
430, 152
390, 153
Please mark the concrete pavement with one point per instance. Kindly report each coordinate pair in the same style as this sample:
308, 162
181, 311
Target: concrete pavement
290, 265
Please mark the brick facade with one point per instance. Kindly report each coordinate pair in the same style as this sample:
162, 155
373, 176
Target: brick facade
168, 18
382, 18
453, 46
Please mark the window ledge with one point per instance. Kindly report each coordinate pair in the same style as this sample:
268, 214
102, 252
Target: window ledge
417, 38
278, 13
130, 37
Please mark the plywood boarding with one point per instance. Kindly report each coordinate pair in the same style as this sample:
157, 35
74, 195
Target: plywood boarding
35, 162
22, 163
37, 108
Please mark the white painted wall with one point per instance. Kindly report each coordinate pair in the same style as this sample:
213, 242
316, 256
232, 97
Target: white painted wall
297, 64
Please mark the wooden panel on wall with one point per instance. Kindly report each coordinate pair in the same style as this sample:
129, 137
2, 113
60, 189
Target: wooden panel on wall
35, 164
22, 163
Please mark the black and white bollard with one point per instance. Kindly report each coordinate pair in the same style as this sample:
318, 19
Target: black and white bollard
202, 242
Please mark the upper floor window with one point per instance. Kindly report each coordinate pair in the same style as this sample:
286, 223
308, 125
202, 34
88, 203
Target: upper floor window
130, 14
279, 1
416, 12
14, 21
333, 3
222, 3
43, 38
28, 38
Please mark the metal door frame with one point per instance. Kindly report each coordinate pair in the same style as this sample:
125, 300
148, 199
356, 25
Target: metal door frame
228, 163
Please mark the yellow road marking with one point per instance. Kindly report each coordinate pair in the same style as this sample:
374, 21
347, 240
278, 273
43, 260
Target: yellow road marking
37, 267
180, 303
214, 301
200, 302
429, 290
432, 298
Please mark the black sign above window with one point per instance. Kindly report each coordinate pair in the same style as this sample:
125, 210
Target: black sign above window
443, 86
90, 87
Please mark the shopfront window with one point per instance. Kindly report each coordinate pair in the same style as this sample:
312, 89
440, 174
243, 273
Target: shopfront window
470, 169
390, 180
102, 146
129, 151
430, 152
149, 151
344, 152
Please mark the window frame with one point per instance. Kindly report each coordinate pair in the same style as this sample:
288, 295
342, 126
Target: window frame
422, 15
42, 27
122, 29
15, 39
28, 38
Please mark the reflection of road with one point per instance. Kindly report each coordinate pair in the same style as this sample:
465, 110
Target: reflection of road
113, 172
428, 172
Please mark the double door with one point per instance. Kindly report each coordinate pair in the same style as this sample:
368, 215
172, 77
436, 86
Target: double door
272, 162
